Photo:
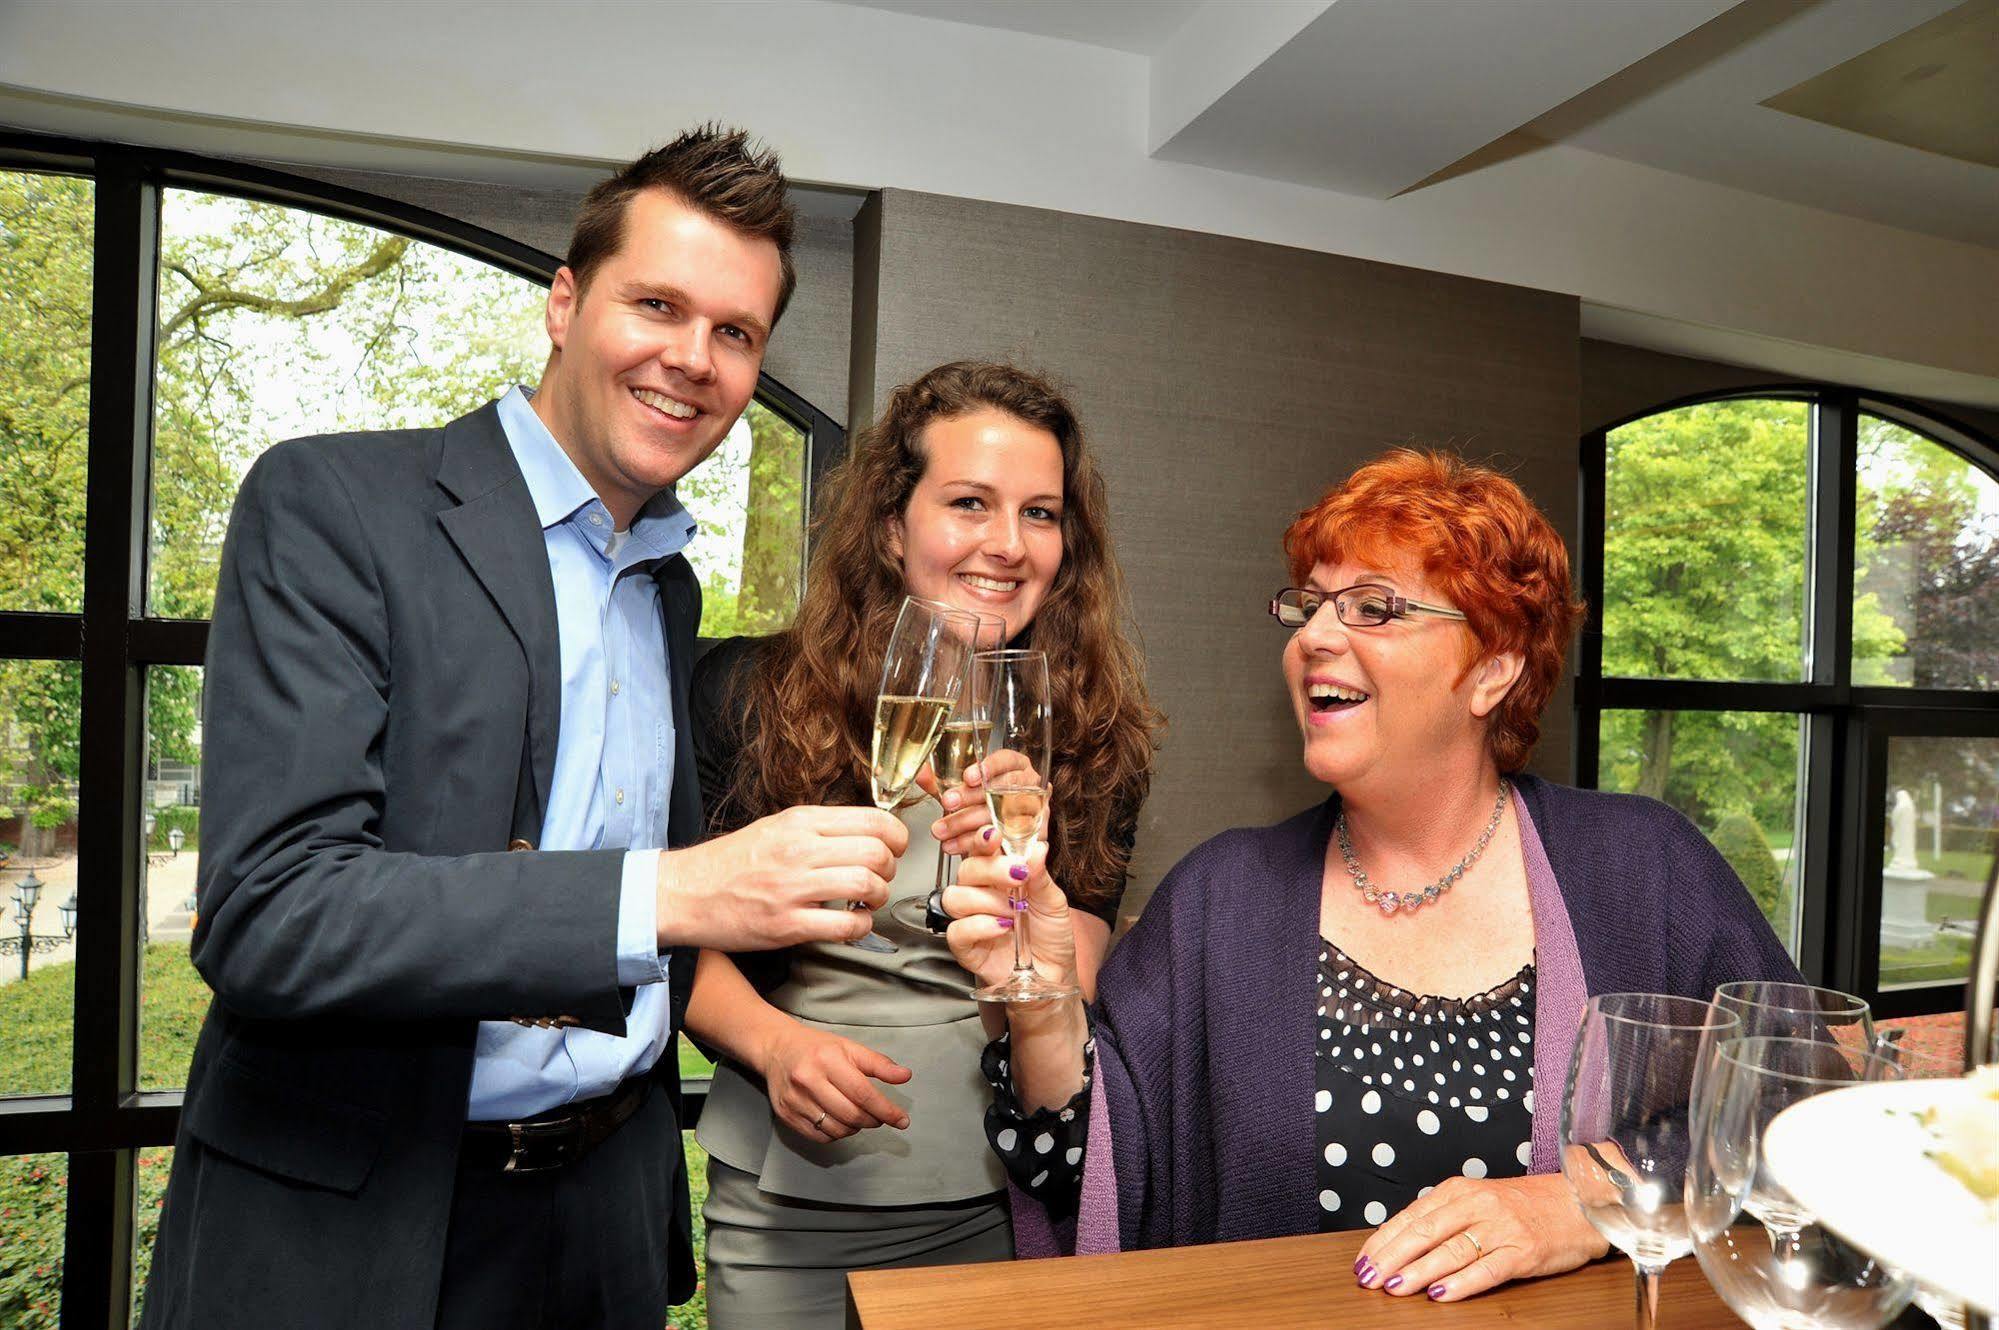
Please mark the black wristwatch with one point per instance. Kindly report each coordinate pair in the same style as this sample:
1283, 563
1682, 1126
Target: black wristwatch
934, 917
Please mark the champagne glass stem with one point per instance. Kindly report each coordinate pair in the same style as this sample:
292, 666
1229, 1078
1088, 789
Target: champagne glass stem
1648, 1296
1017, 899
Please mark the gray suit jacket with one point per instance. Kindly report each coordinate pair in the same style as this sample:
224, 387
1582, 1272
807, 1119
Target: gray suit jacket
382, 700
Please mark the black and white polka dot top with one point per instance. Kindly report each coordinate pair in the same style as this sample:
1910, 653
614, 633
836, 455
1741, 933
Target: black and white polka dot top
1410, 1090
1413, 1089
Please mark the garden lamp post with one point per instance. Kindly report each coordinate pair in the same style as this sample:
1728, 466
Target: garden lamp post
174, 839
27, 892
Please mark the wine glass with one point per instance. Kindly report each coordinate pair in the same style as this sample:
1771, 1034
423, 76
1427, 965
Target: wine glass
1802, 1277
1776, 1010
1768, 1008
960, 744
1019, 789
923, 673
1916, 1065
1624, 1125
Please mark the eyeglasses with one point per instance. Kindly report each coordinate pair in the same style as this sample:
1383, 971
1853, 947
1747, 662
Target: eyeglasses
1365, 606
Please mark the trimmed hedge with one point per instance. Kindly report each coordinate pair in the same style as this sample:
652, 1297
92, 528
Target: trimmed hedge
1747, 850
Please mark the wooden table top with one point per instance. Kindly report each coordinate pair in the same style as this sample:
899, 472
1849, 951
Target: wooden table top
1275, 1282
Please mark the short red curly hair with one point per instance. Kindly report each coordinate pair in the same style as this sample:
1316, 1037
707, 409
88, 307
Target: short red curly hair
1482, 543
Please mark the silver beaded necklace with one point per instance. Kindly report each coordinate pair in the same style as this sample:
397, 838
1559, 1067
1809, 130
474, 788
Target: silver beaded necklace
1389, 901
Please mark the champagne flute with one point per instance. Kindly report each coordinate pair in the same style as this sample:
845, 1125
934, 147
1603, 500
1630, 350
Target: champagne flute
1777, 1010
923, 672
1624, 1125
1019, 789
1805, 1277
961, 743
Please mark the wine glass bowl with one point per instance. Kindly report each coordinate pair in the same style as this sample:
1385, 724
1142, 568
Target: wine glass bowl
924, 668
1624, 1131
1019, 793
1775, 1009
1795, 1275
961, 744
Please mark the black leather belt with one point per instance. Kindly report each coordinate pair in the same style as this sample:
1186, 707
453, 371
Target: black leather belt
553, 1139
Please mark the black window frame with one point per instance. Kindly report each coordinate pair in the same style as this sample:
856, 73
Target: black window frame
1846, 726
105, 1119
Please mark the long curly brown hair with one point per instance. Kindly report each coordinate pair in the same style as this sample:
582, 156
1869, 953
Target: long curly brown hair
809, 697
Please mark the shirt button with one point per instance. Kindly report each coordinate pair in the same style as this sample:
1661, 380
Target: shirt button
596, 519
621, 796
614, 688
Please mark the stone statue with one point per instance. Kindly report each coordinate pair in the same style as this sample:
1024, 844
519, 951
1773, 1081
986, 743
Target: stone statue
1904, 904
1902, 840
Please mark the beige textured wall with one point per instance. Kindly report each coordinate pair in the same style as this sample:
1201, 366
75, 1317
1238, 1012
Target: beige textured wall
1224, 385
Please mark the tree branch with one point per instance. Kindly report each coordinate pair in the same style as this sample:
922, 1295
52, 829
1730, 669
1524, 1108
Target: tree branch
386, 255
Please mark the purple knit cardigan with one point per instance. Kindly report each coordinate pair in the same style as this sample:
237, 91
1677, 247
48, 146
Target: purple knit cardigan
1201, 1127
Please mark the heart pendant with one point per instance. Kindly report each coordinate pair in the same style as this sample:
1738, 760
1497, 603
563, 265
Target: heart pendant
1389, 902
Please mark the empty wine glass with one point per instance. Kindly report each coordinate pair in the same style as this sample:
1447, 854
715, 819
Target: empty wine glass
1776, 1010
1019, 790
1801, 1277
923, 673
1624, 1125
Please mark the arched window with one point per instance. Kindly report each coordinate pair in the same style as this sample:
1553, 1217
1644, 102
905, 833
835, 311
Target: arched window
163, 319
1794, 640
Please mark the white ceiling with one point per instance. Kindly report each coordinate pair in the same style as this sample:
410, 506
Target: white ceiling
1138, 26
1376, 97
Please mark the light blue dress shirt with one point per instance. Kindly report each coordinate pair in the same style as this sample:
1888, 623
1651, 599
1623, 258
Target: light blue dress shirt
613, 767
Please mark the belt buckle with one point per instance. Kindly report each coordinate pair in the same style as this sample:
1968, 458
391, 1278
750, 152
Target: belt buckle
560, 1137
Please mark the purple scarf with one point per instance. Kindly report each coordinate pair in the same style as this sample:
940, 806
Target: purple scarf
1201, 1125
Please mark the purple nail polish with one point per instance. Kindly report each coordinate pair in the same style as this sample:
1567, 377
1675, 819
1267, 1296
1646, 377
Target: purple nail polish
1360, 1264
1006, 923
986, 833
1393, 1284
1018, 872
1436, 1290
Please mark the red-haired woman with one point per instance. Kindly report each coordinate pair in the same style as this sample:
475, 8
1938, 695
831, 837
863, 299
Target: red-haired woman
1343, 1020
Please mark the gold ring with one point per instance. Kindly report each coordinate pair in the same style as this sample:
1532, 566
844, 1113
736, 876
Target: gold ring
1477, 1246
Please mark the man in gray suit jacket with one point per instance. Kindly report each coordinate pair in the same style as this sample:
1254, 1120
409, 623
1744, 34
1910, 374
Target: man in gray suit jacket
451, 884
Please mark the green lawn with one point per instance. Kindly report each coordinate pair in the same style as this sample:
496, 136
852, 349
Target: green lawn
1946, 958
36, 1013
1942, 905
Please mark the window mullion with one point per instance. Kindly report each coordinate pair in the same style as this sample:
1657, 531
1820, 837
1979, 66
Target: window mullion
1835, 465
1589, 575
98, 1239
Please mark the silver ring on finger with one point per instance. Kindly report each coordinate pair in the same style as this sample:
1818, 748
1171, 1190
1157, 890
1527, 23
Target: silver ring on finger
822, 1117
1476, 1245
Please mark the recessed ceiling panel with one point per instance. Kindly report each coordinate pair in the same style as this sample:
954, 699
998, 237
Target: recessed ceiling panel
1935, 87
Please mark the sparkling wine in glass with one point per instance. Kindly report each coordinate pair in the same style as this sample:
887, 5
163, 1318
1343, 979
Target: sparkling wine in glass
923, 672
1802, 1277
1625, 1130
1019, 790
960, 744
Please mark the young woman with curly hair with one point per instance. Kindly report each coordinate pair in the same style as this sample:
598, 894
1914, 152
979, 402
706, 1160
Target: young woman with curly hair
973, 488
